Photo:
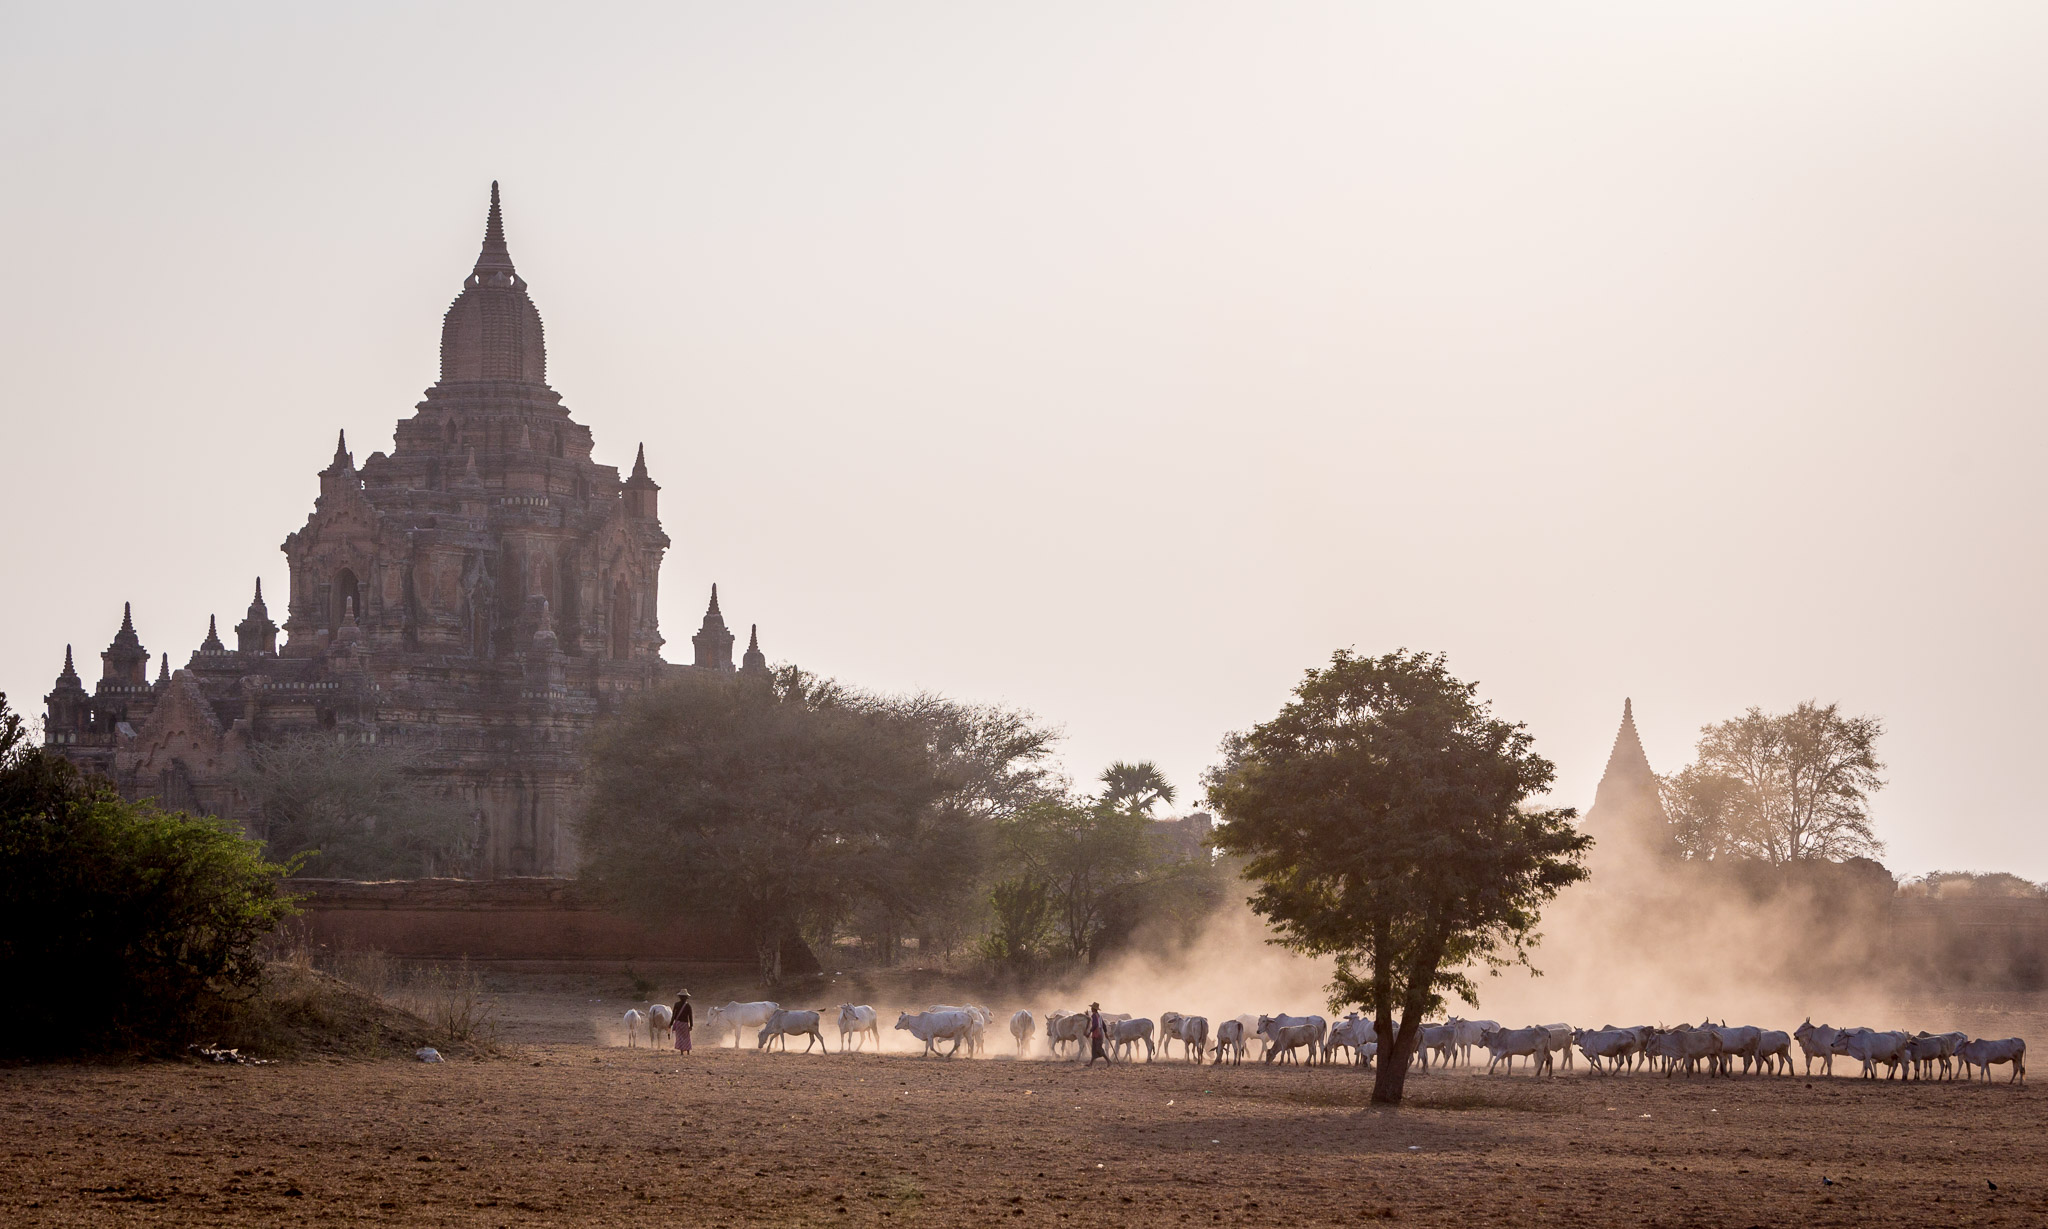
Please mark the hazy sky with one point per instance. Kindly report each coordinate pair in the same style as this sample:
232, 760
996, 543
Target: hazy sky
1117, 361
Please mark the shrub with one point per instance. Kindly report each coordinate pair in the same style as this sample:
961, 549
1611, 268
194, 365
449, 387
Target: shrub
121, 926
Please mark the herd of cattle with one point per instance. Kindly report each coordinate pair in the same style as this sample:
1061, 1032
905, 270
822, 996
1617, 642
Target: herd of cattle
1691, 1048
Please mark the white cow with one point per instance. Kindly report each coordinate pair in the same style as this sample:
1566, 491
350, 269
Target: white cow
658, 1020
736, 1016
633, 1021
932, 1026
1773, 1046
1642, 1034
1438, 1039
1230, 1040
1983, 1054
1512, 1043
783, 1025
1124, 1035
1612, 1044
1872, 1047
1169, 1030
1738, 1042
977, 1036
1269, 1027
1688, 1047
859, 1022
1467, 1034
1022, 1029
1354, 1034
1193, 1032
1817, 1041
1063, 1027
1283, 1040
1929, 1052
1561, 1042
1251, 1031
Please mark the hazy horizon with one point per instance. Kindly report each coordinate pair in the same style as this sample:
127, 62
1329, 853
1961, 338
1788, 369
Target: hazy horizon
1115, 362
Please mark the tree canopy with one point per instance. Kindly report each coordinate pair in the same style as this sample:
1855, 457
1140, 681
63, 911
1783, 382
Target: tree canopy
352, 809
1385, 816
1779, 787
121, 925
1134, 789
768, 802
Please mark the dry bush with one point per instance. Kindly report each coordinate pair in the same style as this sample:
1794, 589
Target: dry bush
454, 1003
370, 970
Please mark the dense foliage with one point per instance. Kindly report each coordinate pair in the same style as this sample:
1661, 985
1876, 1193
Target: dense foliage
1385, 818
353, 809
769, 802
121, 926
806, 811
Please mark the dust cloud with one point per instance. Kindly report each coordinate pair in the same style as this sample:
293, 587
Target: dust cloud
1642, 942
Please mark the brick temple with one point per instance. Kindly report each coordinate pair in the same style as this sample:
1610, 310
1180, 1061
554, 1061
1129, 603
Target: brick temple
484, 595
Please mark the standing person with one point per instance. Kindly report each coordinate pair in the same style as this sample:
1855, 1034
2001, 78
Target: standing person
683, 1019
1096, 1032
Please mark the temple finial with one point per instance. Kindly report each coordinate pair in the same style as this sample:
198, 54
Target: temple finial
711, 611
128, 618
495, 256
754, 661
163, 670
640, 462
212, 642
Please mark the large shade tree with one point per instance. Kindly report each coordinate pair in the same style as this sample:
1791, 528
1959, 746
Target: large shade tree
1385, 816
770, 802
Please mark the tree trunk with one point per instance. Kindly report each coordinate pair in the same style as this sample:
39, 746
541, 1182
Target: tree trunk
1397, 1051
1390, 1080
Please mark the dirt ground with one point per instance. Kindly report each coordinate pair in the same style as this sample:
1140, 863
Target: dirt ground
561, 1129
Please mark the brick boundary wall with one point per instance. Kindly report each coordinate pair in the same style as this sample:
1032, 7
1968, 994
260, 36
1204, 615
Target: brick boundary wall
530, 921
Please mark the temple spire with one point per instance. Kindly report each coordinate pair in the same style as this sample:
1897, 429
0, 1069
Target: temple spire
1627, 817
713, 642
128, 620
212, 642
256, 633
754, 661
495, 256
163, 671
69, 674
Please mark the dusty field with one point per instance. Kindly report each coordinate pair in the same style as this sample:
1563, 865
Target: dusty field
560, 1133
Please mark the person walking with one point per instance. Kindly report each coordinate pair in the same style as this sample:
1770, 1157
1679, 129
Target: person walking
682, 1021
1097, 1030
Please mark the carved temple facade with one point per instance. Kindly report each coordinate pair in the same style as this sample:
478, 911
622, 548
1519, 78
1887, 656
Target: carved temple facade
484, 595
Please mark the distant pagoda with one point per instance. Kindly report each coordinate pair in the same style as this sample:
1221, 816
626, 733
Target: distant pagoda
1627, 819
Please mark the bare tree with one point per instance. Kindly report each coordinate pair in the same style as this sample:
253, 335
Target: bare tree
1782, 787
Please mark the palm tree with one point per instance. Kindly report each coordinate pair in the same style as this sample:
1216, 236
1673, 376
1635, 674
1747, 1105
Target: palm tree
1135, 789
